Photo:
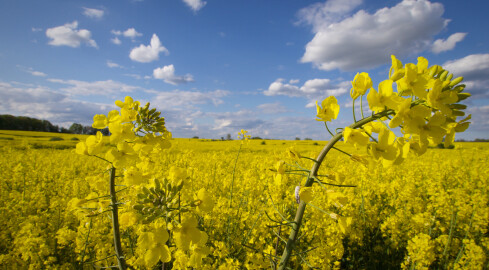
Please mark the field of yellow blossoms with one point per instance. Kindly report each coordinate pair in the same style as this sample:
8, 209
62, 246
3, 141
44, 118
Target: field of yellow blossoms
431, 211
390, 191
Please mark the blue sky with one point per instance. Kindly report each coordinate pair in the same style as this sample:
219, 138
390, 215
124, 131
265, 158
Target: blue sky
215, 67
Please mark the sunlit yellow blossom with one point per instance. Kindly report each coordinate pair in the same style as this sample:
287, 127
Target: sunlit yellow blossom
355, 136
121, 132
378, 101
280, 167
361, 83
95, 143
329, 109
384, 147
344, 224
459, 126
81, 148
128, 219
292, 153
177, 175
396, 71
128, 103
152, 245
205, 202
306, 194
128, 114
99, 121
121, 156
199, 251
413, 82
401, 113
186, 232
133, 176
439, 99
373, 127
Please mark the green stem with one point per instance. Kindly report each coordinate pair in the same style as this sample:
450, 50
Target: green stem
86, 242
312, 175
361, 106
326, 125
231, 193
115, 222
337, 149
353, 110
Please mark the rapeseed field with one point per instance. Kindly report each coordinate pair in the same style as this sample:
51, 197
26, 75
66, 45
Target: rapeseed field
390, 191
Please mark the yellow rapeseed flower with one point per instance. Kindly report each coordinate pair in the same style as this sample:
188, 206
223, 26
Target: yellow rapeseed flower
328, 110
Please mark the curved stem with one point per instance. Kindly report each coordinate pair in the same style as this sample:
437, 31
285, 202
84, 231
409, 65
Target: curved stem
115, 222
312, 175
353, 110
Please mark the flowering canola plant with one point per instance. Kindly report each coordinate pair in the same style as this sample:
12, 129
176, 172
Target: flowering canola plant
202, 204
425, 107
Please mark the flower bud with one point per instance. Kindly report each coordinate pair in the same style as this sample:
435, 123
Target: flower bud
462, 96
443, 75
458, 106
455, 81
458, 113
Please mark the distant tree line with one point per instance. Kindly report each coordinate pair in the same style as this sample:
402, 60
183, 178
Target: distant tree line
10, 122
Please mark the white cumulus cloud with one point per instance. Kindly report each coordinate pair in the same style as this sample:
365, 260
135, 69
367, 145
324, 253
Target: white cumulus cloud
367, 40
441, 45
93, 13
475, 70
167, 74
149, 53
69, 35
195, 5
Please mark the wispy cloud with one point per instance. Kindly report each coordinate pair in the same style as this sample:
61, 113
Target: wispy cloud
441, 45
167, 74
93, 13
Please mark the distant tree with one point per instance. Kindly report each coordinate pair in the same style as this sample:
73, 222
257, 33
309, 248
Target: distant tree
105, 131
228, 137
11, 122
297, 138
256, 138
64, 130
195, 137
76, 128
89, 130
